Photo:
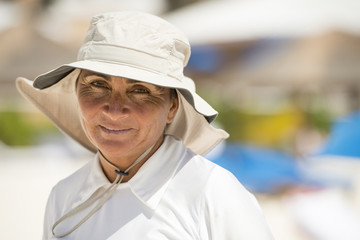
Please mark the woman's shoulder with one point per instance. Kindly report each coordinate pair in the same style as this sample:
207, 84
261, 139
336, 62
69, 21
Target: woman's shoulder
214, 181
204, 171
204, 166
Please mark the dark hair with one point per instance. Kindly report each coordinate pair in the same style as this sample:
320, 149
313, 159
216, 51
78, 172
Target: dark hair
173, 93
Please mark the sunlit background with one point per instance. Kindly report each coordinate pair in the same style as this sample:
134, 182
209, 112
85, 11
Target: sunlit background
283, 74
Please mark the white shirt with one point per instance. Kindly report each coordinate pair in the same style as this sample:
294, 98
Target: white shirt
176, 194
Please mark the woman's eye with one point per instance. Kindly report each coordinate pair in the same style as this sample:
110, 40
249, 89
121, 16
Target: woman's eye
141, 90
99, 84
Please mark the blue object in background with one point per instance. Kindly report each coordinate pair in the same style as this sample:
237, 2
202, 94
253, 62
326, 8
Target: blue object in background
207, 59
344, 138
259, 169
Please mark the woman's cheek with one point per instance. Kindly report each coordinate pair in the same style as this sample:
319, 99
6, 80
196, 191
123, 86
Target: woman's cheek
88, 132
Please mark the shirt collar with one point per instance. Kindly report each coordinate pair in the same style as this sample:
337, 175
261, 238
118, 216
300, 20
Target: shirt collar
150, 182
93, 178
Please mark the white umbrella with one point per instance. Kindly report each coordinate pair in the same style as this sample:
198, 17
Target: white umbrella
234, 20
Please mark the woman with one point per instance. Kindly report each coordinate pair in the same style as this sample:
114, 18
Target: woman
126, 99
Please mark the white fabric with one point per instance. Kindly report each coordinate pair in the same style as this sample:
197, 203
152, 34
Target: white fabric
176, 194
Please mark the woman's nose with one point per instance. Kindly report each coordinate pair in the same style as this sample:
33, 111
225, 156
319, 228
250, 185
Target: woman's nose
117, 107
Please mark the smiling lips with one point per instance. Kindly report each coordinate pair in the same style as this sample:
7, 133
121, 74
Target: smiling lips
115, 131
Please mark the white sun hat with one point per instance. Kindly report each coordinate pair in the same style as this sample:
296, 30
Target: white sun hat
132, 45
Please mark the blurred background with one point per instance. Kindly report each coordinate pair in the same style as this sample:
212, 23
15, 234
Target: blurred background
283, 74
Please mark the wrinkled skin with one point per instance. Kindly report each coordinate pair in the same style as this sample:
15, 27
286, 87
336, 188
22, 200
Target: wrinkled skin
123, 117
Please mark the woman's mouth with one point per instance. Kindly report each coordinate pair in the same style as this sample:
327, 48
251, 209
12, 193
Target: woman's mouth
115, 131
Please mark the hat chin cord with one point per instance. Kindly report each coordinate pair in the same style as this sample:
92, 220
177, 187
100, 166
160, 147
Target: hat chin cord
105, 195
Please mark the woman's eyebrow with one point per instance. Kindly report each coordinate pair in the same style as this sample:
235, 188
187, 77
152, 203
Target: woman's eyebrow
131, 81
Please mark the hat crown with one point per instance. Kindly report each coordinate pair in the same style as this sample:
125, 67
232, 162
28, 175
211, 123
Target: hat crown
111, 36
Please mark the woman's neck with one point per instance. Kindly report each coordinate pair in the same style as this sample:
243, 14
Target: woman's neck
110, 165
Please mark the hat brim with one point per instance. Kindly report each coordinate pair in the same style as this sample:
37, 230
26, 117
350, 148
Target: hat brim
59, 104
54, 94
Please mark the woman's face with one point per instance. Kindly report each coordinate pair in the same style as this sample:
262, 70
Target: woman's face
123, 117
